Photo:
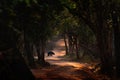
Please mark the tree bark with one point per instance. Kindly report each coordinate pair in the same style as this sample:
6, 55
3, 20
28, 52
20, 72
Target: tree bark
76, 47
28, 51
103, 43
37, 46
14, 66
41, 52
70, 42
116, 29
105, 54
66, 46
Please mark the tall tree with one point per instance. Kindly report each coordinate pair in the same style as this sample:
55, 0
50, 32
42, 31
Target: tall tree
14, 66
96, 15
116, 28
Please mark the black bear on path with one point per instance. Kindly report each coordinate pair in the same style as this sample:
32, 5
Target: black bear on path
50, 53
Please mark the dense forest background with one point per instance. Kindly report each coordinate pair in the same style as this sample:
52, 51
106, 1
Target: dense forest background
89, 27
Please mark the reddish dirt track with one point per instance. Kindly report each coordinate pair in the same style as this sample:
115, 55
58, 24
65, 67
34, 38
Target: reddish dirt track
62, 68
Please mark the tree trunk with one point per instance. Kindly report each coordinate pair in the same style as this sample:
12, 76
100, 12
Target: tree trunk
70, 42
105, 54
37, 46
29, 52
14, 66
66, 46
76, 47
102, 34
42, 53
116, 29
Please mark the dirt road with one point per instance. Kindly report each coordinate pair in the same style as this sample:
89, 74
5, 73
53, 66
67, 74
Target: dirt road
61, 68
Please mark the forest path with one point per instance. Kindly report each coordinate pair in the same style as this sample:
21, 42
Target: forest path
59, 59
62, 68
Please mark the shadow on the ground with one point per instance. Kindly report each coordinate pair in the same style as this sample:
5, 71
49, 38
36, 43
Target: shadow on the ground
55, 72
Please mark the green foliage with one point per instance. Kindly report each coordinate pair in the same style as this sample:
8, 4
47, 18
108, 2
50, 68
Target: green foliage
30, 16
68, 3
67, 23
86, 35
